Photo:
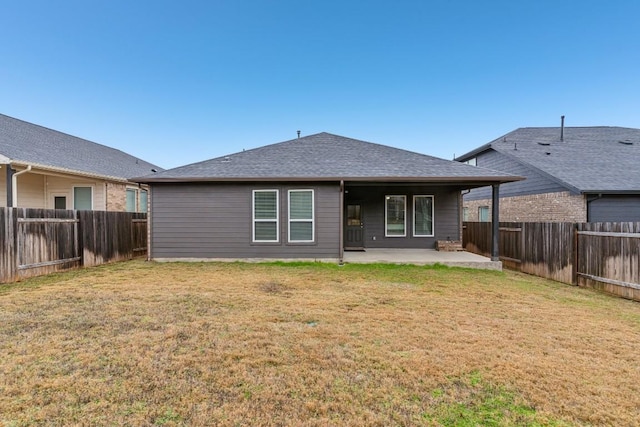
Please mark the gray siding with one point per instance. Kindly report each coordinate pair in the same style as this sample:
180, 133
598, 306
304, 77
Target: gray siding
614, 209
535, 182
446, 215
215, 221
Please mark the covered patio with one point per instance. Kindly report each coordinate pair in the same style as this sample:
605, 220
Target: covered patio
421, 257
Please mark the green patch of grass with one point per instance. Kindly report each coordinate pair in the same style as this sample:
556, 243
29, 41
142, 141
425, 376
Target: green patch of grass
472, 401
300, 264
168, 418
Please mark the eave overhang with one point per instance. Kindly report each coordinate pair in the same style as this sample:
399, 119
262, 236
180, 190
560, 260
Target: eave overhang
611, 192
65, 171
471, 154
459, 180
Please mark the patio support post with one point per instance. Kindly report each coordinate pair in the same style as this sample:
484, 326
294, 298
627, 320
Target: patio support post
341, 230
9, 185
495, 222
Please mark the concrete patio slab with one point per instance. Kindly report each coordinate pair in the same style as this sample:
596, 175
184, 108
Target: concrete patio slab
422, 257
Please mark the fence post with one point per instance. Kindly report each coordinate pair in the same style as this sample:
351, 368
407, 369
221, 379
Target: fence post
576, 258
79, 242
8, 244
495, 223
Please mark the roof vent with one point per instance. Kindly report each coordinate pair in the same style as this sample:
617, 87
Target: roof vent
226, 159
544, 143
626, 142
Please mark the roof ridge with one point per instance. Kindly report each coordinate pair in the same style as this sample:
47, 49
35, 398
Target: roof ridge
573, 127
76, 137
293, 140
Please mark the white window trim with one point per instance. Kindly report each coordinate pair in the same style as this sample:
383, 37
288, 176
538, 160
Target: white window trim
386, 228
52, 199
73, 195
433, 222
254, 220
313, 216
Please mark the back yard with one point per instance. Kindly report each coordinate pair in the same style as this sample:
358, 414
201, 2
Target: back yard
140, 343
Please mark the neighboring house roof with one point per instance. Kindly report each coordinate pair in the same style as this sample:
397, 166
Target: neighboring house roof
328, 157
587, 159
29, 144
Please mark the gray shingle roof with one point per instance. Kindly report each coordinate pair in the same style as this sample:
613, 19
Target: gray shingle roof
27, 143
589, 159
325, 156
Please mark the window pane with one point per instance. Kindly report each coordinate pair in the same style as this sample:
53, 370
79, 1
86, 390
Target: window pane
60, 202
354, 215
143, 200
423, 216
300, 205
483, 213
265, 205
266, 231
82, 198
395, 207
301, 231
131, 200
265, 216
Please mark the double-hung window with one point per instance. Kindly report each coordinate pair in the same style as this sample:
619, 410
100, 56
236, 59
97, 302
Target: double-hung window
422, 216
395, 224
265, 216
301, 216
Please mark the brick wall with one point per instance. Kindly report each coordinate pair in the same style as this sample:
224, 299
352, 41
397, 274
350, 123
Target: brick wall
116, 197
546, 207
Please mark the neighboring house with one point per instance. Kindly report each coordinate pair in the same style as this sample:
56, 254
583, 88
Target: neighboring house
311, 198
43, 168
573, 174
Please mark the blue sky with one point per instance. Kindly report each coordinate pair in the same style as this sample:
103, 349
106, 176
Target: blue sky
175, 82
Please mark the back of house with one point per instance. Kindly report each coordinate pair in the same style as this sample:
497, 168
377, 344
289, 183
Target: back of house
573, 174
309, 198
46, 169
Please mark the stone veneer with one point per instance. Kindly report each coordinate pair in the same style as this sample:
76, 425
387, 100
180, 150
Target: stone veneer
545, 207
116, 197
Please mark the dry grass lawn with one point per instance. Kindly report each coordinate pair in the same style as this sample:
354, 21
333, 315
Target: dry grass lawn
140, 343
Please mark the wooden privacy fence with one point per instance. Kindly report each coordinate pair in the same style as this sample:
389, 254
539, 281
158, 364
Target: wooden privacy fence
34, 242
609, 257
604, 256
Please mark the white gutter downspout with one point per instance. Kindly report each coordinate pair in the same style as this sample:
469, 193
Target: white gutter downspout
14, 185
